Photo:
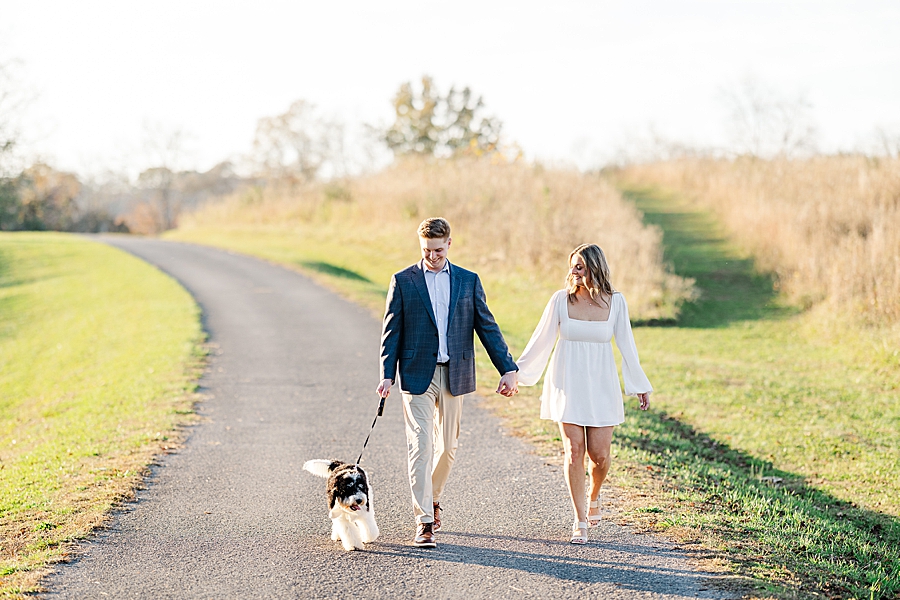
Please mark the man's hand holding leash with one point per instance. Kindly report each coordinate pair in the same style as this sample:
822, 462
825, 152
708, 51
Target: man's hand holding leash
384, 388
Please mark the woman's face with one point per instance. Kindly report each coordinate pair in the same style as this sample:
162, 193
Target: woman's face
580, 275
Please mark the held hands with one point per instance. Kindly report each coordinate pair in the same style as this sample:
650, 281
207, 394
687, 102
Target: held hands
509, 384
384, 388
645, 400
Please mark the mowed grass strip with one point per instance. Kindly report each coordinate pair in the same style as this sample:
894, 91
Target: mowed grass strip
98, 355
773, 442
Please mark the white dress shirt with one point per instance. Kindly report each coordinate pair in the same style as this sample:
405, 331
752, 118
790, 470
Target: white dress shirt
438, 284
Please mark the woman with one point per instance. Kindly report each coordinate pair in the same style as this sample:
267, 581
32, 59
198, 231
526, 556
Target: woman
581, 390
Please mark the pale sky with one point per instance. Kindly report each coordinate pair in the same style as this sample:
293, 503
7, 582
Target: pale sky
571, 80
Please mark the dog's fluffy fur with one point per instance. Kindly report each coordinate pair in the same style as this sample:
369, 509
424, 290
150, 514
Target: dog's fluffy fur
349, 502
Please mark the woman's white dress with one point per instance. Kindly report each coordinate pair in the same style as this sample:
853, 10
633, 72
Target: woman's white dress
582, 384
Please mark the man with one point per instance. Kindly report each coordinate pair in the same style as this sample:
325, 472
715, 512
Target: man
433, 311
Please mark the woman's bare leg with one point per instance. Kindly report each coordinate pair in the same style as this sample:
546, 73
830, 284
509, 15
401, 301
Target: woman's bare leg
574, 444
599, 440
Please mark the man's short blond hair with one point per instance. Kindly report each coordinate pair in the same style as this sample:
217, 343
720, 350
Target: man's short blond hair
434, 227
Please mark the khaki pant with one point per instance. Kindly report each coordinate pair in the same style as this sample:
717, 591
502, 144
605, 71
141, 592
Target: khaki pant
432, 436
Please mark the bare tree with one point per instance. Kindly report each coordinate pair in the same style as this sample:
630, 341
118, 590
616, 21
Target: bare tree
887, 141
651, 145
764, 123
300, 145
165, 149
12, 102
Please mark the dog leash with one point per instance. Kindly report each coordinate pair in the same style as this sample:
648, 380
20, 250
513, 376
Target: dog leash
366, 443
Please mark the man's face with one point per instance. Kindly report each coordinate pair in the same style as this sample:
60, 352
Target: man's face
434, 251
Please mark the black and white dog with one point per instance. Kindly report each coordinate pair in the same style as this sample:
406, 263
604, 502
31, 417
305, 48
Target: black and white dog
349, 502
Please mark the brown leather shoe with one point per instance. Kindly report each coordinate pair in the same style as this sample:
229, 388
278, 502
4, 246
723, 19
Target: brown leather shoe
437, 517
425, 536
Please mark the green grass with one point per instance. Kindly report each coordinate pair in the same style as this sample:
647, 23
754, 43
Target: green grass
98, 353
805, 391
696, 247
748, 388
362, 274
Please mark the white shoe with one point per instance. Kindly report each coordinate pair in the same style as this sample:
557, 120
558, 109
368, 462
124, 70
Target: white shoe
579, 533
594, 519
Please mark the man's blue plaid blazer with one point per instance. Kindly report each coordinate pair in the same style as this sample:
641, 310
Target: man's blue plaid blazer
409, 336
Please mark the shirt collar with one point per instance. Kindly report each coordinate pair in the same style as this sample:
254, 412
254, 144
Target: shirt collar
445, 269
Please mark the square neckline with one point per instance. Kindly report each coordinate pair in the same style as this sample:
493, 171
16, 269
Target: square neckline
606, 320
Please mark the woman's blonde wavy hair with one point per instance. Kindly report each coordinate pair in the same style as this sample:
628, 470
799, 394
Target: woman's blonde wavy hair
597, 283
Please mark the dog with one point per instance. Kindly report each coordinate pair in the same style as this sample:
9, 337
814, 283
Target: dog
349, 502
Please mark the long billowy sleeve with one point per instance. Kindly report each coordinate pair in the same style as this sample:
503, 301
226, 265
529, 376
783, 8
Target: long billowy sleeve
636, 381
534, 359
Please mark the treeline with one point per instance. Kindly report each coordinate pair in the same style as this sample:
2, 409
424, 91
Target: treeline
297, 147
43, 198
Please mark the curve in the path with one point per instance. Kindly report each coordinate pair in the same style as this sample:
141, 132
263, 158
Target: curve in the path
232, 515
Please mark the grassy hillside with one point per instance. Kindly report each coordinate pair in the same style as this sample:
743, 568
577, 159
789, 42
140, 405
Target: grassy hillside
98, 351
828, 226
773, 439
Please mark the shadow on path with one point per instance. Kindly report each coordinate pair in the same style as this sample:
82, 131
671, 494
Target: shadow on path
730, 287
526, 555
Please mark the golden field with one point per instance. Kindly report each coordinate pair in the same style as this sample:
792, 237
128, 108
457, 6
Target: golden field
828, 227
509, 220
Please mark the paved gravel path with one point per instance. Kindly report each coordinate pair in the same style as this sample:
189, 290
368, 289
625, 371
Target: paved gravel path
232, 515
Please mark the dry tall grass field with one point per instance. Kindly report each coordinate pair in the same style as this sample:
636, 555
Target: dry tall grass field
828, 226
508, 219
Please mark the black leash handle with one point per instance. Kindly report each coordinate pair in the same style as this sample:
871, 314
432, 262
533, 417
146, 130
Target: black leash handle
366, 443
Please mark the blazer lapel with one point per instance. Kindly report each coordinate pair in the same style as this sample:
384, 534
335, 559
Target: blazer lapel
455, 287
418, 277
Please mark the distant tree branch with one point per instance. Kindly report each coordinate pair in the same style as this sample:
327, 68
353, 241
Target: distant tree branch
299, 144
763, 123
